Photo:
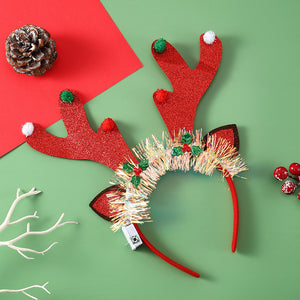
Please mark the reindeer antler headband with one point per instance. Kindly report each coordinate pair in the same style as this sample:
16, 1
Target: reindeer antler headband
126, 202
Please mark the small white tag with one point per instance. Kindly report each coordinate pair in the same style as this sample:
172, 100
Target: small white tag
132, 236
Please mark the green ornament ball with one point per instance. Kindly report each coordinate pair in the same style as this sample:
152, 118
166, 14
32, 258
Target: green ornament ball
160, 45
66, 96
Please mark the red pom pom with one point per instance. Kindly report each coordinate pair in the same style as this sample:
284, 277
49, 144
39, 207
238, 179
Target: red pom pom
108, 124
294, 169
281, 173
288, 187
161, 95
298, 196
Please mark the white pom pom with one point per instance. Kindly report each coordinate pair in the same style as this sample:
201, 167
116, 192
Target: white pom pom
209, 37
27, 129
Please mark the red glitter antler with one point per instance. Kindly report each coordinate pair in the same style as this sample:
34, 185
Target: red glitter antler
178, 108
107, 146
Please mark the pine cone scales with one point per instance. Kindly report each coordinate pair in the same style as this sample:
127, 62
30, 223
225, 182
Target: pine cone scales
30, 50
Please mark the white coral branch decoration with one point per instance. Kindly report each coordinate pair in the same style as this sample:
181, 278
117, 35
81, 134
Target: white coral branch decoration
7, 221
24, 291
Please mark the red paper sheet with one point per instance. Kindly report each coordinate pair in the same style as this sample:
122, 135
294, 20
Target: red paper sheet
92, 56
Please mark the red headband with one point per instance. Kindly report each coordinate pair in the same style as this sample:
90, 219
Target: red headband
185, 149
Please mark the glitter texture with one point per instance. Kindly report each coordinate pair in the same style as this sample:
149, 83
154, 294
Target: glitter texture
188, 86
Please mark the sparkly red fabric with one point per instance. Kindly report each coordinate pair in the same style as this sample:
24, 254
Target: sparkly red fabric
179, 108
106, 146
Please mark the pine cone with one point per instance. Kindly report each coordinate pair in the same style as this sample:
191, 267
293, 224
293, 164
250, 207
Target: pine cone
30, 50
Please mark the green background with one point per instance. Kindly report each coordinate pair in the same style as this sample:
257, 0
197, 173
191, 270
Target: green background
257, 88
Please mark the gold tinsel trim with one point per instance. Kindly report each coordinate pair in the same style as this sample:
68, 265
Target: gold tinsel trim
132, 206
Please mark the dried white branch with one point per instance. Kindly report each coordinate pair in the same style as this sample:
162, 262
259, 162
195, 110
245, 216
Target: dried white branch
7, 222
23, 291
34, 216
19, 197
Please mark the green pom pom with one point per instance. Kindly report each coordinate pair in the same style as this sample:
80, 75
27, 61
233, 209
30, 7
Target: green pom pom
160, 45
66, 96
186, 138
177, 151
196, 150
144, 164
128, 167
135, 180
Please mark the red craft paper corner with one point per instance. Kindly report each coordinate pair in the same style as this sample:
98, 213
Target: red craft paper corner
92, 56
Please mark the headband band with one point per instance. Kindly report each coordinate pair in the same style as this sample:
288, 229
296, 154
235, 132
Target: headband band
126, 203
234, 234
